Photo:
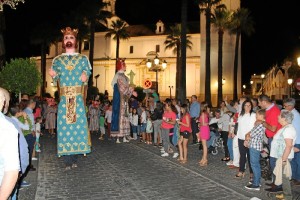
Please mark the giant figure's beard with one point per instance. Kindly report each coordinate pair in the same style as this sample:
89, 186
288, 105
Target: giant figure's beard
69, 44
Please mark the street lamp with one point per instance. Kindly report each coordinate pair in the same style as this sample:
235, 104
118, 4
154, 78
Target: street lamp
171, 87
262, 83
156, 65
290, 82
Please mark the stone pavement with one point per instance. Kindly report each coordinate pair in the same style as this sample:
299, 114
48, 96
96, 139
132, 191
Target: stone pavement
132, 171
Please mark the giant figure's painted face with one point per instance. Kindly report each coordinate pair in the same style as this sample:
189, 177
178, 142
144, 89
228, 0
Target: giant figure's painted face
69, 41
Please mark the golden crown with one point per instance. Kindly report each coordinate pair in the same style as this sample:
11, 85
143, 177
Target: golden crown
69, 31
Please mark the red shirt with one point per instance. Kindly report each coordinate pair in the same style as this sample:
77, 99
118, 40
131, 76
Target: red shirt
183, 120
168, 115
272, 114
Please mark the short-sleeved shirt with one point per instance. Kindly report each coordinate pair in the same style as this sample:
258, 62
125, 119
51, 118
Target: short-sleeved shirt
168, 115
9, 147
272, 114
183, 120
108, 115
278, 142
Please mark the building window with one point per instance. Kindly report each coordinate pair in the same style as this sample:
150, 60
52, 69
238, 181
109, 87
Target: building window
157, 48
86, 45
131, 49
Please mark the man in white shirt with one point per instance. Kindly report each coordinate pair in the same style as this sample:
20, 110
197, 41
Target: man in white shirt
9, 153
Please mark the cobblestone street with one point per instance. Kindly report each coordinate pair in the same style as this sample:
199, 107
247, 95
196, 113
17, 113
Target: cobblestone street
132, 171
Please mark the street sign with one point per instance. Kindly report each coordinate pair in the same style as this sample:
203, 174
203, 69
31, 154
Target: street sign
147, 83
297, 84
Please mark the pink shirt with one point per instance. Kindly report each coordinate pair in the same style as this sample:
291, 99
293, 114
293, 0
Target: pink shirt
183, 120
169, 115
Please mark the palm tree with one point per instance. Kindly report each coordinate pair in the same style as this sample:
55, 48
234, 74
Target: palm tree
206, 7
182, 94
221, 20
118, 32
44, 35
241, 23
92, 13
173, 41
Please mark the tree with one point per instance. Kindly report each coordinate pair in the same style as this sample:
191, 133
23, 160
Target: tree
118, 32
12, 4
15, 76
44, 35
241, 23
89, 14
173, 41
206, 7
222, 21
182, 92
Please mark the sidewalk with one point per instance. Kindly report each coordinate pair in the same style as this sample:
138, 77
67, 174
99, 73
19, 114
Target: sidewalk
133, 171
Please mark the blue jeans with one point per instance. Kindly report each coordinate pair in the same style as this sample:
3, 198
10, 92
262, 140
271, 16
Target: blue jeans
255, 165
230, 148
296, 165
211, 141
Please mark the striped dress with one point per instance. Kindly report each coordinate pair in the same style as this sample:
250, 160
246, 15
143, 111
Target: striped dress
50, 116
94, 115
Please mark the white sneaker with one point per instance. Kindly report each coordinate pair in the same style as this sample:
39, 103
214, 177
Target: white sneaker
38, 151
175, 155
34, 158
229, 163
162, 149
118, 141
165, 155
124, 140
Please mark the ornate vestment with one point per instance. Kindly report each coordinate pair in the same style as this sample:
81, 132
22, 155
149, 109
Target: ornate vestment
120, 125
72, 126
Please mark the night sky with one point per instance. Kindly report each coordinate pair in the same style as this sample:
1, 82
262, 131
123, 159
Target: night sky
276, 34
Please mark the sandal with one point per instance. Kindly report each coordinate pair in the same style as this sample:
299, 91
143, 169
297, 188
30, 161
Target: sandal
203, 163
183, 161
225, 159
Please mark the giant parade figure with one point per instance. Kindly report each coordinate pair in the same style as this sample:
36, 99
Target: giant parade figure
72, 71
122, 91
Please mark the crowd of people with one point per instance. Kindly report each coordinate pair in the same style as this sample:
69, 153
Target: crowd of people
245, 126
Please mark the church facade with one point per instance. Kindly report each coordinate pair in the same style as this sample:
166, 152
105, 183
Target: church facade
138, 48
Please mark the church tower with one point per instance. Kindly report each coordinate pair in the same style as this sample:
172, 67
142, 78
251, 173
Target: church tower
111, 6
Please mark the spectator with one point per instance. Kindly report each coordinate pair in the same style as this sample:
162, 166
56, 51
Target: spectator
282, 151
289, 104
271, 124
9, 152
195, 113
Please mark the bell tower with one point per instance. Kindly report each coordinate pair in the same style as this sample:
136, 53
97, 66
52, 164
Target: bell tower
111, 6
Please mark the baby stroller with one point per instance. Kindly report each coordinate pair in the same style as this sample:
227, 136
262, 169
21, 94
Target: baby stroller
215, 140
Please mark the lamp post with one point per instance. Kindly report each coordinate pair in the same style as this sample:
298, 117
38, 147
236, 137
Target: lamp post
262, 83
171, 87
96, 77
290, 82
156, 65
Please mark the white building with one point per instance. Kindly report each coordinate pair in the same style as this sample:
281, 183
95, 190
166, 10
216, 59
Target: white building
145, 39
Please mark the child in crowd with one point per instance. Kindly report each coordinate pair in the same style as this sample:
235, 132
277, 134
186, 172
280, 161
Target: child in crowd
102, 126
134, 123
38, 133
108, 114
143, 123
254, 141
149, 129
185, 132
